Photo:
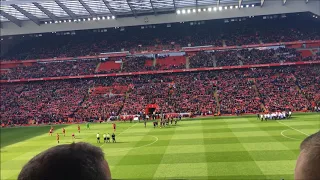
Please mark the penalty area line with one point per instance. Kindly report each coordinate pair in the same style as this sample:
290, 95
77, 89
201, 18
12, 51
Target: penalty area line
293, 128
282, 133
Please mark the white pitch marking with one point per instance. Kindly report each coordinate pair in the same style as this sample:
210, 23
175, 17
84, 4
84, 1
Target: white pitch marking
139, 146
287, 136
294, 128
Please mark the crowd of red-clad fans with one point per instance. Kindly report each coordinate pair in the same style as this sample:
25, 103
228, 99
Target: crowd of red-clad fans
139, 64
214, 92
247, 57
52, 69
43, 101
82, 43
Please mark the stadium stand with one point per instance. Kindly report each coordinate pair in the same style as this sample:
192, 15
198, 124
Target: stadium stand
125, 84
85, 43
51, 69
138, 64
211, 92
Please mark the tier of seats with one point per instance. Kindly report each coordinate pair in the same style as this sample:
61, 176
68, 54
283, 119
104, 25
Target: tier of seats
213, 92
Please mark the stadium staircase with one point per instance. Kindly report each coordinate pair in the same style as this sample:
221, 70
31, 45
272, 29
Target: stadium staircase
216, 96
224, 43
214, 61
154, 62
85, 98
187, 62
98, 67
298, 87
258, 95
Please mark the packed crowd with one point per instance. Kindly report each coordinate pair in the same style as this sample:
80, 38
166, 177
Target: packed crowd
52, 69
237, 93
280, 91
82, 43
308, 80
138, 64
42, 102
245, 57
228, 92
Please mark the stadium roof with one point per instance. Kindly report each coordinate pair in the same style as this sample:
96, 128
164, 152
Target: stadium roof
42, 10
40, 16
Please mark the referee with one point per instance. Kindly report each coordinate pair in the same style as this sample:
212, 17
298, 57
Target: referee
98, 138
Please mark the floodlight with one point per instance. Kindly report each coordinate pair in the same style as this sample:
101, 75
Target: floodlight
231, 7
209, 9
215, 9
194, 10
225, 7
199, 10
220, 8
113, 17
189, 11
183, 11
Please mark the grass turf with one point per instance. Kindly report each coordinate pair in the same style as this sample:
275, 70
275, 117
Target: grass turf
202, 148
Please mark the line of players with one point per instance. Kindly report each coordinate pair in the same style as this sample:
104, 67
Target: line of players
106, 137
164, 121
64, 132
274, 115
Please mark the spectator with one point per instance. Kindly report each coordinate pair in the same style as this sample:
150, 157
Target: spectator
308, 163
76, 161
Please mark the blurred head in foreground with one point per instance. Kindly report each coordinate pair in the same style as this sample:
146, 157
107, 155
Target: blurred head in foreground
308, 163
76, 161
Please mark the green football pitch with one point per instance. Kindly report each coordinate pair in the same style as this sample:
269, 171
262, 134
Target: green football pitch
200, 148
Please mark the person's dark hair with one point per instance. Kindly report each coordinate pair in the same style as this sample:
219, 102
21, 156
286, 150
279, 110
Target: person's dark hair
311, 141
76, 161
308, 163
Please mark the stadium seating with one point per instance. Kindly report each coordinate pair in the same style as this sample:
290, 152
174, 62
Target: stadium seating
138, 64
52, 69
136, 40
171, 62
247, 90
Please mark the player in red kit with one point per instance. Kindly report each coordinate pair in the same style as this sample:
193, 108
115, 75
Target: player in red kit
114, 127
51, 131
73, 137
58, 138
79, 128
64, 131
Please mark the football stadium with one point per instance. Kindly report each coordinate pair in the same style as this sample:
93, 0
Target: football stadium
160, 89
